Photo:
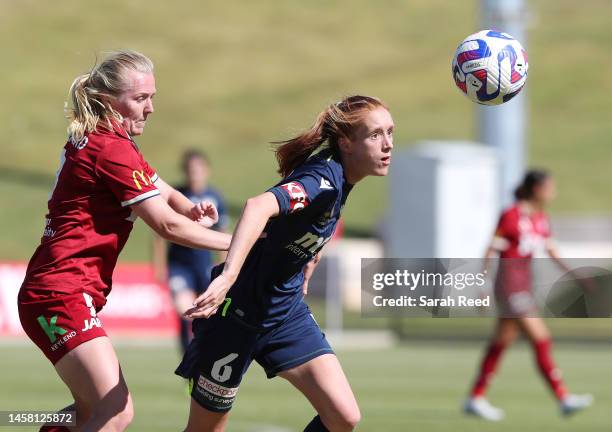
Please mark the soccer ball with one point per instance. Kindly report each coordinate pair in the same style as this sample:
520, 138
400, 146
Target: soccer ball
490, 67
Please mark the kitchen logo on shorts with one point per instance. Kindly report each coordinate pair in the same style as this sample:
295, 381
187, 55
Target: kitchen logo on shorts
297, 196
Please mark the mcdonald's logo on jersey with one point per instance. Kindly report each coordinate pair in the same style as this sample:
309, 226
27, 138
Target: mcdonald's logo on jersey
144, 179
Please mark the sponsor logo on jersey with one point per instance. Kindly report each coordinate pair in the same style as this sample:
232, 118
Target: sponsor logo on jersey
297, 196
325, 184
307, 245
144, 179
48, 232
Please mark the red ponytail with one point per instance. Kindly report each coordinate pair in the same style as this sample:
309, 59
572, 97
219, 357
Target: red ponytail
337, 121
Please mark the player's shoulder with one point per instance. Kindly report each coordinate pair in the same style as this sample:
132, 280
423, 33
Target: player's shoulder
110, 137
513, 211
325, 167
113, 146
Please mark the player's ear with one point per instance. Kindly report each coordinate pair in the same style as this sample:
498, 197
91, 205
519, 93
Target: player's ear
345, 145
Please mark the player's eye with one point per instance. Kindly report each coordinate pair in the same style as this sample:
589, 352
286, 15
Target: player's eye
375, 135
390, 132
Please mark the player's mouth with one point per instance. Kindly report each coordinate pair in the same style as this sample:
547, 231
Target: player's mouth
386, 161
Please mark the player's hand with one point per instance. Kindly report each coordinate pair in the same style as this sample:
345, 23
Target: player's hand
207, 304
308, 270
205, 213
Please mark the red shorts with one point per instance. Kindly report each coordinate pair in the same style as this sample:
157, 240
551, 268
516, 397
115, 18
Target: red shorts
60, 324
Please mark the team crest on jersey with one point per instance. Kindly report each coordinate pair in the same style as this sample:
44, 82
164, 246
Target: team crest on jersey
79, 145
297, 196
327, 216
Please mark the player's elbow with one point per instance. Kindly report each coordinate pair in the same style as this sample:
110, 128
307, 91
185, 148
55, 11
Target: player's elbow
264, 204
169, 227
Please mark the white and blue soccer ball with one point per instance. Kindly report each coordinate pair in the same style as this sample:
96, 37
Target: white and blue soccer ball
490, 67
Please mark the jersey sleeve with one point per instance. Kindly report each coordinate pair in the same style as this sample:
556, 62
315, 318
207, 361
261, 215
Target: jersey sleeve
123, 169
150, 171
299, 192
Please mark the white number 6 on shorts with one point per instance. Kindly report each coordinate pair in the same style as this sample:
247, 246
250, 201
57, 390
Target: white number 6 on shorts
220, 371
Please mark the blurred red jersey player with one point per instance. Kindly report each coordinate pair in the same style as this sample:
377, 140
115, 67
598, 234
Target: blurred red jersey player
523, 231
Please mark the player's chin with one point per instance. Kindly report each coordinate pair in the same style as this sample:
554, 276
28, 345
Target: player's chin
380, 171
137, 130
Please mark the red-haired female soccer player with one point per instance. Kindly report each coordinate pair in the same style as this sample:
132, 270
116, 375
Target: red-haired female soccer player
522, 230
102, 185
254, 308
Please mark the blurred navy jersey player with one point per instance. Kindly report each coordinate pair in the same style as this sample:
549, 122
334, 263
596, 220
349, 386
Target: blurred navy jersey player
187, 270
254, 308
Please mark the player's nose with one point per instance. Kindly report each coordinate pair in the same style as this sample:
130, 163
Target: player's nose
387, 143
148, 109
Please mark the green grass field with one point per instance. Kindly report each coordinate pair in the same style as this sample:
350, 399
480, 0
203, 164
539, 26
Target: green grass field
232, 76
415, 387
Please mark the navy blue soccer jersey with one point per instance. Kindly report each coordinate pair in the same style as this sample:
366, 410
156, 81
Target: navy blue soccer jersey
178, 254
269, 285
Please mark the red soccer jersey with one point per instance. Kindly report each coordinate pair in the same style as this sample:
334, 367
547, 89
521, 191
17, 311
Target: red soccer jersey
519, 234
89, 218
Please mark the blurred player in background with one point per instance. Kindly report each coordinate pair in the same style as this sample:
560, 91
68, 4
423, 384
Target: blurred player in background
254, 307
187, 270
102, 185
523, 230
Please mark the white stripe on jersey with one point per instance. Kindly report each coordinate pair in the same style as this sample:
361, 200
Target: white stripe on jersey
140, 197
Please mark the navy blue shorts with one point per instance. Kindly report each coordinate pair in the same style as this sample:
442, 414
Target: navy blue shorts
223, 348
182, 277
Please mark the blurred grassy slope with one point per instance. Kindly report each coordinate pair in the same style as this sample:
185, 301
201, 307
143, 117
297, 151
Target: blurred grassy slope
232, 76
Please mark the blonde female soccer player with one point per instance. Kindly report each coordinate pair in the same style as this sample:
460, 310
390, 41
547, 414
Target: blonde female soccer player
102, 185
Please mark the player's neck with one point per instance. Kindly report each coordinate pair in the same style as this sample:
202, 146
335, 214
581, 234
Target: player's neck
531, 207
352, 173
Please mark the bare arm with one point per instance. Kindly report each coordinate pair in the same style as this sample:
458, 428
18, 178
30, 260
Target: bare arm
176, 200
177, 228
159, 259
254, 218
492, 252
552, 252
